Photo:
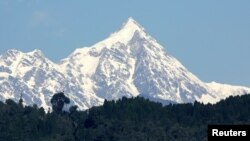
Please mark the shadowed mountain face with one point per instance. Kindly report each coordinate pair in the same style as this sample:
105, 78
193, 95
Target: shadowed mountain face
128, 63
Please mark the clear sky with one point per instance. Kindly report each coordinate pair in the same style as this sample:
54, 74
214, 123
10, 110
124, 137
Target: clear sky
210, 37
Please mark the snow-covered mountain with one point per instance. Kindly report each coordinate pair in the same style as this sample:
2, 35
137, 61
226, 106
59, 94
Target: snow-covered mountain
128, 63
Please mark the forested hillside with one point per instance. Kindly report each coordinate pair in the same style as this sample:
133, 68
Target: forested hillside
134, 119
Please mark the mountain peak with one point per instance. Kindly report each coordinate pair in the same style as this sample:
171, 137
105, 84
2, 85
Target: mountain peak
129, 28
124, 34
131, 24
36, 52
13, 51
131, 19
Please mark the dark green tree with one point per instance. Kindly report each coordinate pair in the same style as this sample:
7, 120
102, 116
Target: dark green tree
57, 101
20, 102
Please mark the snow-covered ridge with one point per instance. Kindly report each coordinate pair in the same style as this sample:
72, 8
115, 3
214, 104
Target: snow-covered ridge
224, 89
128, 63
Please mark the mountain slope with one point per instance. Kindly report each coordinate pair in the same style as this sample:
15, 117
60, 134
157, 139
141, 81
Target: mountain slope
37, 79
128, 63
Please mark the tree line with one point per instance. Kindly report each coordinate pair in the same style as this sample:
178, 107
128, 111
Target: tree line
134, 119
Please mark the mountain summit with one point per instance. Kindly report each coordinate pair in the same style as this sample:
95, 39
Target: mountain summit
125, 33
128, 63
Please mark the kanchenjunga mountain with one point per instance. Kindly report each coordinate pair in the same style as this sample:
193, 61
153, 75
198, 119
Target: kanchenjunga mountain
128, 63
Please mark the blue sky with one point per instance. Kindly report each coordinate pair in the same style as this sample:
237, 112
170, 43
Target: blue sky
211, 38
